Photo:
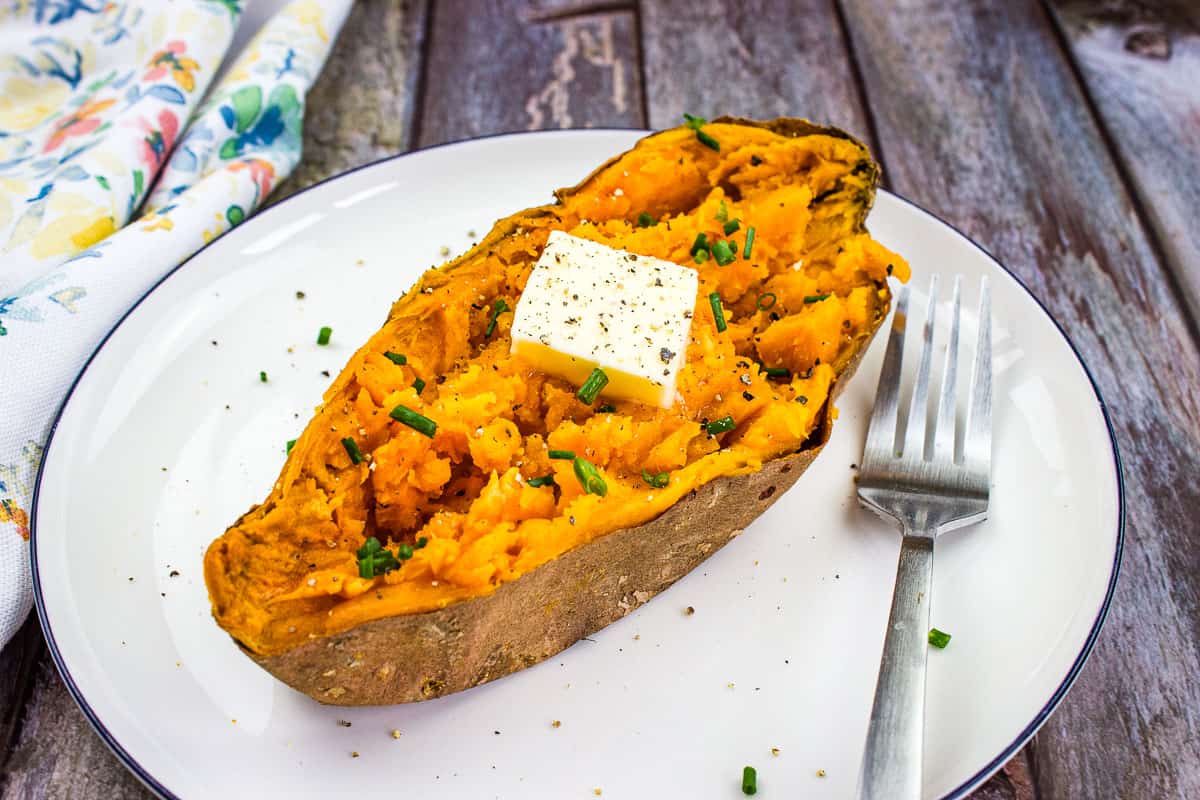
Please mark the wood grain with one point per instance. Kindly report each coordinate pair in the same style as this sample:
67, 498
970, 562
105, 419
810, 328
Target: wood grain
983, 122
360, 109
59, 756
504, 65
759, 59
1141, 65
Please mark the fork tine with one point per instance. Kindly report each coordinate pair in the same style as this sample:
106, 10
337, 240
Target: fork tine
914, 437
977, 445
943, 433
881, 431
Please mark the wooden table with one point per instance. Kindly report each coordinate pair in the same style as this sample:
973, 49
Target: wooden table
1065, 138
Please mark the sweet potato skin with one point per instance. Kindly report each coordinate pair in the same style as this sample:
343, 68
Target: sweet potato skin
414, 657
418, 657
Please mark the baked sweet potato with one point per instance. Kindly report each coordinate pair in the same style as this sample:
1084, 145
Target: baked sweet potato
392, 563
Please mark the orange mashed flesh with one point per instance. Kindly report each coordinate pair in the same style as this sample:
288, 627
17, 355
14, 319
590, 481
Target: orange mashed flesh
814, 286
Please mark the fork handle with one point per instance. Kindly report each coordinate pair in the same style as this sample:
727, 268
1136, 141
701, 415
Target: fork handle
891, 766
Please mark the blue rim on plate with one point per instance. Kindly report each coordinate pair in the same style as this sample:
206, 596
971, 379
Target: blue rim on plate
962, 790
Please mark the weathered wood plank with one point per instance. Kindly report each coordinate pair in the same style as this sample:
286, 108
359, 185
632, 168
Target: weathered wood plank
982, 121
507, 65
59, 756
18, 665
1141, 64
361, 109
759, 59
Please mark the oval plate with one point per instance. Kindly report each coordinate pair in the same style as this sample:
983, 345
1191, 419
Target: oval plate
169, 434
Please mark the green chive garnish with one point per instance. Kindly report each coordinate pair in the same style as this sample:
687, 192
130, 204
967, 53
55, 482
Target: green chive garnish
694, 122
722, 212
262, 376
714, 300
645, 220
749, 243
418, 422
708, 141
589, 477
721, 425
766, 300
700, 257
607, 408
567, 455
777, 372
732, 226
290, 444
419, 385
404, 552
658, 481
723, 253
422, 541
396, 358
323, 335
701, 243
374, 559
498, 308
938, 639
351, 446
592, 386
749, 780
545, 480
815, 298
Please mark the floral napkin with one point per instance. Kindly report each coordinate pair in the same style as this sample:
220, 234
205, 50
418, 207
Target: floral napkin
117, 162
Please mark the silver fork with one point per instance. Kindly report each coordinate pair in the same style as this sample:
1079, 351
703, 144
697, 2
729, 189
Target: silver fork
928, 487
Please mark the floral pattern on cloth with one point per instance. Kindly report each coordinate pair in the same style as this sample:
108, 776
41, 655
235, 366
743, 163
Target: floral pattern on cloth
118, 160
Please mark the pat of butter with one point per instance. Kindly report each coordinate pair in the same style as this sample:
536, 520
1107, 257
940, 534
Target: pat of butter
587, 305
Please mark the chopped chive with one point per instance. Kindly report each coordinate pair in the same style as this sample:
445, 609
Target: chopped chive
498, 308
544, 480
701, 257
815, 298
694, 122
732, 226
658, 481
777, 372
766, 300
938, 639
421, 542
708, 141
714, 300
374, 559
607, 408
722, 212
755, 161
749, 780
645, 220
323, 335
418, 422
404, 552
290, 444
566, 455
262, 376
749, 243
589, 477
396, 358
592, 386
721, 425
701, 243
351, 446
419, 385
723, 253
802, 400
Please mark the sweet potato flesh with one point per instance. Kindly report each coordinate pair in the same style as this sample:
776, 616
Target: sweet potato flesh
813, 287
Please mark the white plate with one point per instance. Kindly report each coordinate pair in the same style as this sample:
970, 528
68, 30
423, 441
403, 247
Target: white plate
168, 437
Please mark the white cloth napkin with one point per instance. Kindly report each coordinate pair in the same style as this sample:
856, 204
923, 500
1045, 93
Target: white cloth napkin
115, 166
